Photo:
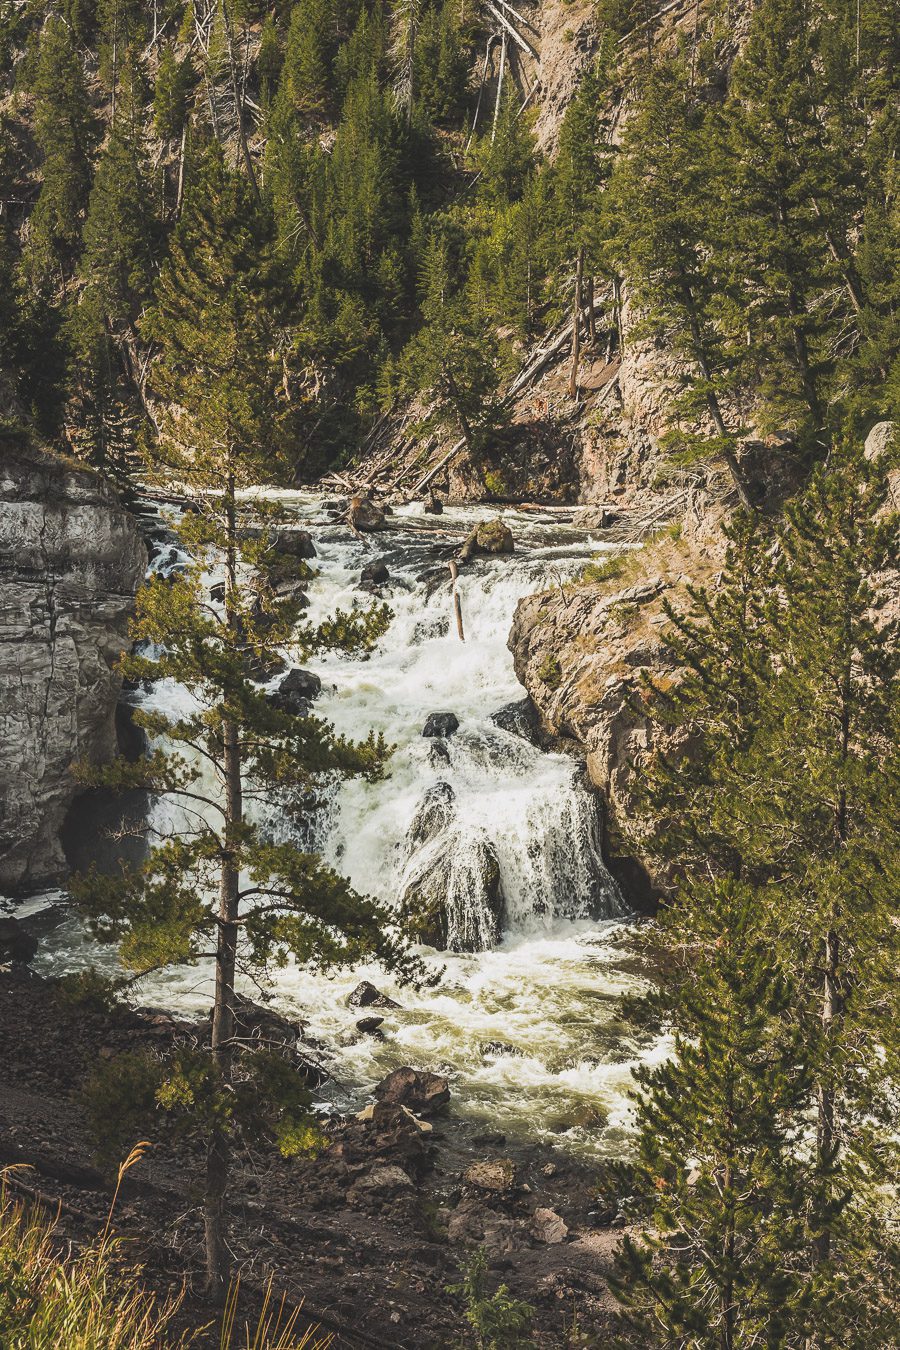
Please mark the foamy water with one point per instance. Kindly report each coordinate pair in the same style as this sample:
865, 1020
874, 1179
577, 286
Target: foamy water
549, 990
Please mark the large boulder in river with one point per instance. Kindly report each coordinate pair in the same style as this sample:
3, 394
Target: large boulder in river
520, 718
491, 536
375, 573
16, 943
296, 691
366, 516
365, 995
422, 1092
451, 896
440, 724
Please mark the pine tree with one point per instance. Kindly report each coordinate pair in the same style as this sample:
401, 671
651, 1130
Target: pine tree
719, 1154
65, 132
782, 777
174, 79
659, 203
225, 886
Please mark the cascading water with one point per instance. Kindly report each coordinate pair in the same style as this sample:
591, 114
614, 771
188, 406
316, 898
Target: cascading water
501, 836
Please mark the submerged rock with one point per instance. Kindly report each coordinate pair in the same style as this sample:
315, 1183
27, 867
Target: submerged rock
451, 895
369, 1025
493, 1049
440, 724
491, 536
433, 814
422, 1092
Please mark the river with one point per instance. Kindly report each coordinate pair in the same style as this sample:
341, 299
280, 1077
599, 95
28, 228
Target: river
528, 1032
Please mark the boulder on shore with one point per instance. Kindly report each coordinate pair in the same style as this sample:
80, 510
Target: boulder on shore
491, 536
440, 724
422, 1092
16, 943
494, 1174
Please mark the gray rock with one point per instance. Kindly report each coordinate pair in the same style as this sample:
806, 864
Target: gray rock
520, 719
365, 995
422, 1092
433, 814
296, 691
16, 943
547, 1227
879, 439
375, 573
494, 1049
440, 724
71, 559
451, 895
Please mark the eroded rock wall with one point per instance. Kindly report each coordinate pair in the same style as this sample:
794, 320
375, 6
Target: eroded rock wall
71, 559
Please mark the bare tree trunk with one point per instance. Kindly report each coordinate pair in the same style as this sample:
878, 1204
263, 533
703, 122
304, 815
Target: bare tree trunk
503, 44
179, 192
239, 104
576, 327
591, 317
218, 1150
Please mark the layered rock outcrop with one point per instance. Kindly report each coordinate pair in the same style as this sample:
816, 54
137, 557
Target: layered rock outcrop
71, 559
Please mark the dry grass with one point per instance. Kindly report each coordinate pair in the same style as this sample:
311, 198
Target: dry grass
53, 1297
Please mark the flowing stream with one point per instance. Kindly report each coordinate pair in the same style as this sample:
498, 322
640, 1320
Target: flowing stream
527, 1028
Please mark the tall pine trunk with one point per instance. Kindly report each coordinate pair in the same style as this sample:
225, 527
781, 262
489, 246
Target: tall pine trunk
577, 306
218, 1151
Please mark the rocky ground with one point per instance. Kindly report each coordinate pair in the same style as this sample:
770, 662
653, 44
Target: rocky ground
368, 1235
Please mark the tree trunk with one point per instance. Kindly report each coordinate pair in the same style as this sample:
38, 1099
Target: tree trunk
218, 1152
825, 1133
591, 318
577, 307
456, 400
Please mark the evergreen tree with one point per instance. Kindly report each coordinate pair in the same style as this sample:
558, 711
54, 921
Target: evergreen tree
65, 132
174, 79
225, 885
659, 204
783, 777
719, 1154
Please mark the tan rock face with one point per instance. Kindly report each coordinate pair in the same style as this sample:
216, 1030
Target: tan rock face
581, 652
71, 559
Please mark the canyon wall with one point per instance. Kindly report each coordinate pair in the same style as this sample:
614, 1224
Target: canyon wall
71, 559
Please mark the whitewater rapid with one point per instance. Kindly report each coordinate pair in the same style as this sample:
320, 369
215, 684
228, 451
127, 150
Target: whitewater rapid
529, 1032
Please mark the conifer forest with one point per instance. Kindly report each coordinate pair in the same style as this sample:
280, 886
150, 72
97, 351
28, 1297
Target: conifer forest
449, 674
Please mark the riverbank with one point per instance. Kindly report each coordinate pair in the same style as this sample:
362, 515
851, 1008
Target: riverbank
369, 1234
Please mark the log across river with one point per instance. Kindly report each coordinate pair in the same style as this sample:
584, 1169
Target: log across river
525, 1018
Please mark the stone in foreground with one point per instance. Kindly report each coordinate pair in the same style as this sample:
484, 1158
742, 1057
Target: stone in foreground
422, 1092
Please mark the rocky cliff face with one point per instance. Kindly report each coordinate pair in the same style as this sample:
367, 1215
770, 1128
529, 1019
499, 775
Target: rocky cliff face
580, 651
70, 561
